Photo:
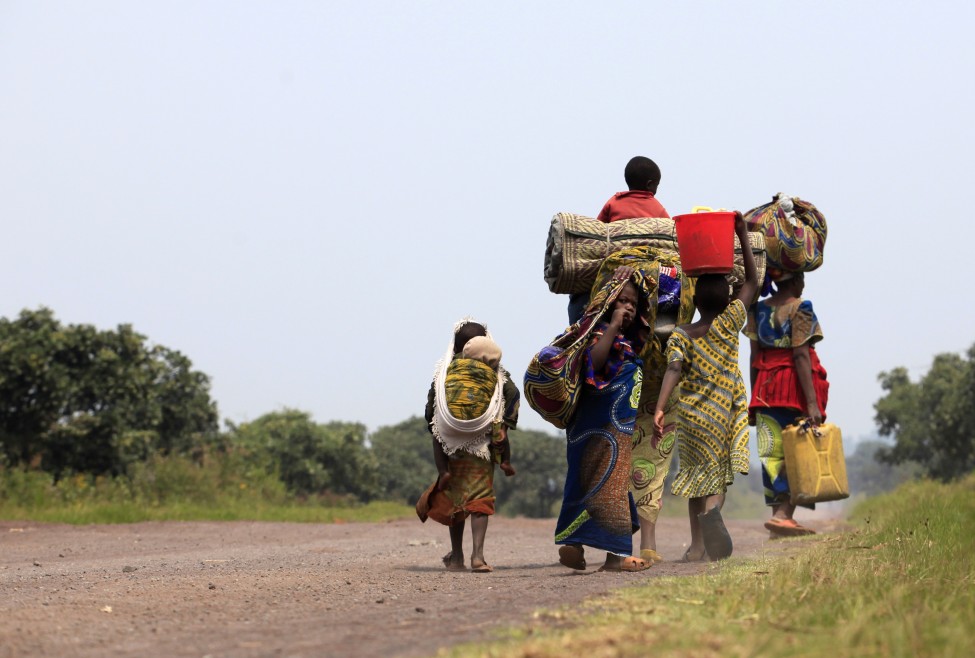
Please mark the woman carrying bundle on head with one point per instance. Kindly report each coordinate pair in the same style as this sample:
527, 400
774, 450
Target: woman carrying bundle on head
788, 384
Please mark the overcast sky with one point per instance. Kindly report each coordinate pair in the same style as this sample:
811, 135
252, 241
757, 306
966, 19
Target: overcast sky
304, 196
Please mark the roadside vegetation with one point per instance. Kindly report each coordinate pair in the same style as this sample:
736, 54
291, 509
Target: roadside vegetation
212, 487
104, 426
901, 584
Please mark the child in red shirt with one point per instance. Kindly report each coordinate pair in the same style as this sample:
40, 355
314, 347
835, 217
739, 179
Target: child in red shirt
642, 176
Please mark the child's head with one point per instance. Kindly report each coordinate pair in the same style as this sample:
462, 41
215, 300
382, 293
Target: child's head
483, 349
629, 300
642, 174
712, 293
465, 333
792, 283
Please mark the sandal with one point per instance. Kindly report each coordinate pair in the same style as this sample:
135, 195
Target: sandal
717, 541
787, 528
484, 567
572, 556
629, 563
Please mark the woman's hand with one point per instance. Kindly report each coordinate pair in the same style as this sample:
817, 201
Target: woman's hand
658, 427
623, 272
812, 412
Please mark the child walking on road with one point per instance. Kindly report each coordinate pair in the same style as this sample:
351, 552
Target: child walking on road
470, 407
712, 409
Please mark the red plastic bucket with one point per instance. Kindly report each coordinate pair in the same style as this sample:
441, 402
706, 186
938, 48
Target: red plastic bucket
706, 242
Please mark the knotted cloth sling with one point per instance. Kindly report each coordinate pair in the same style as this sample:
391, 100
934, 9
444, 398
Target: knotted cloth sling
467, 435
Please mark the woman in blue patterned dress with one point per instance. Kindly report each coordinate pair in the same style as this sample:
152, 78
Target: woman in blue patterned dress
597, 507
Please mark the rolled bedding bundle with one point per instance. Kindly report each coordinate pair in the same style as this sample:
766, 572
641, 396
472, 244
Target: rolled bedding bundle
794, 230
577, 245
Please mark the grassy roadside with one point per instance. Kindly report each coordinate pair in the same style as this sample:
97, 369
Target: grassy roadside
175, 489
901, 584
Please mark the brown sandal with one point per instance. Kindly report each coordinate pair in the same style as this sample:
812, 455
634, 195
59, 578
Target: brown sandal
629, 563
572, 556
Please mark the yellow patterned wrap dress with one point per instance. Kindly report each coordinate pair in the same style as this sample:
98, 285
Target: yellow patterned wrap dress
712, 407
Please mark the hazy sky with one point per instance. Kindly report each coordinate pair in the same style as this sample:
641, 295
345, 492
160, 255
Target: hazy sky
304, 196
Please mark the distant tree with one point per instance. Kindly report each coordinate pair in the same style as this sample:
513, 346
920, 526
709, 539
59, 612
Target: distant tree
867, 475
537, 486
76, 398
405, 456
933, 420
313, 458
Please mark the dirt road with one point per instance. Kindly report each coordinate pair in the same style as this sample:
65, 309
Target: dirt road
277, 589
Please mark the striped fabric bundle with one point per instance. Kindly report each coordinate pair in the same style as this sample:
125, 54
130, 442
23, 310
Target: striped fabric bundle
577, 245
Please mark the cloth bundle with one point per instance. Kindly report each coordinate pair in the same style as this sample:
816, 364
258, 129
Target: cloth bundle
577, 245
794, 230
553, 379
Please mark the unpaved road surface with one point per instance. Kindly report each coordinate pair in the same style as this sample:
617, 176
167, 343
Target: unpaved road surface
281, 589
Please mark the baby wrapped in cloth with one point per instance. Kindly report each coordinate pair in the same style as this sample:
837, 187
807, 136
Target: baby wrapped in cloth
467, 415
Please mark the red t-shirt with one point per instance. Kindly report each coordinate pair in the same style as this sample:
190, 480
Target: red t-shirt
630, 205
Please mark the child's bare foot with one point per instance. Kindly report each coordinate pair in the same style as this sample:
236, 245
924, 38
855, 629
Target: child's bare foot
454, 563
478, 565
442, 483
508, 469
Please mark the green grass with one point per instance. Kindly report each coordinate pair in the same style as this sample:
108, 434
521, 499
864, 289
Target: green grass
222, 488
901, 584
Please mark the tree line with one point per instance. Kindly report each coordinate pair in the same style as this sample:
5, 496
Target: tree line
77, 399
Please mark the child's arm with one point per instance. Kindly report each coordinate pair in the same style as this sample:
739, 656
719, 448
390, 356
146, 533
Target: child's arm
671, 379
600, 351
747, 292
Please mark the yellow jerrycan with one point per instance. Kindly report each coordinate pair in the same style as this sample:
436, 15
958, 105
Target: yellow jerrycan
815, 464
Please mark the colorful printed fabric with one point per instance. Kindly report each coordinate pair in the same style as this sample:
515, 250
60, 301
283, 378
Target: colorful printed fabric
769, 424
778, 330
555, 376
712, 418
789, 325
795, 233
470, 490
651, 459
469, 386
651, 462
619, 353
597, 508
512, 402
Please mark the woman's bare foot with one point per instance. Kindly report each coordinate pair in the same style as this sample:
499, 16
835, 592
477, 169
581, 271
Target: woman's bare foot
508, 469
454, 563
